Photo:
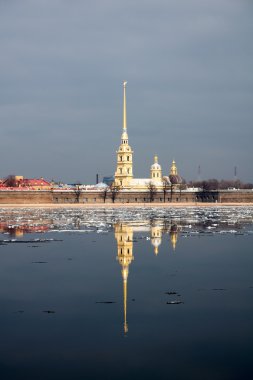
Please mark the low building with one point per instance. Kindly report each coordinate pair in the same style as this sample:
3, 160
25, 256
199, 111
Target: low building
14, 181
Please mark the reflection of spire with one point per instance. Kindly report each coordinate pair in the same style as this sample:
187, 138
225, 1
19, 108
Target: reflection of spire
125, 303
174, 236
124, 237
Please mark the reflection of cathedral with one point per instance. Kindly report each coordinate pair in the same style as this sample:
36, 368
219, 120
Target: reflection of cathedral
19, 231
124, 171
124, 237
124, 233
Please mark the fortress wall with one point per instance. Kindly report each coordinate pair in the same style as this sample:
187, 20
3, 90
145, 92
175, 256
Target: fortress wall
245, 196
90, 197
23, 197
121, 197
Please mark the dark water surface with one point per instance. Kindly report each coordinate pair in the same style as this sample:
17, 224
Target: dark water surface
119, 294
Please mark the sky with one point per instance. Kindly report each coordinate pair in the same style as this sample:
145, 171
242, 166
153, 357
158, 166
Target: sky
188, 64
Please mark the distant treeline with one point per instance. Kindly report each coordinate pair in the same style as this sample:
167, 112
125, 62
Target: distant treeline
214, 184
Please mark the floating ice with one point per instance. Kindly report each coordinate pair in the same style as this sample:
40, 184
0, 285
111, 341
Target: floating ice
193, 220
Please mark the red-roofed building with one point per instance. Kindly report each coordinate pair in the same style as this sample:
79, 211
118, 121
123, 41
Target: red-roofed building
29, 183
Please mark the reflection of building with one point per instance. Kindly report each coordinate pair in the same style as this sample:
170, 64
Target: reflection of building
174, 235
124, 237
124, 233
124, 171
156, 236
19, 231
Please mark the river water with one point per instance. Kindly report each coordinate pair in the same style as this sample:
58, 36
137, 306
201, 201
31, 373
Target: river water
124, 293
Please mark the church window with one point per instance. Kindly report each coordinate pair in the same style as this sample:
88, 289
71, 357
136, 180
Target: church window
153, 174
128, 250
157, 175
120, 158
120, 170
121, 250
128, 171
127, 158
120, 183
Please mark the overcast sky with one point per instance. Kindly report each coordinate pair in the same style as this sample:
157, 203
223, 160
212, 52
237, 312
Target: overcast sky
189, 67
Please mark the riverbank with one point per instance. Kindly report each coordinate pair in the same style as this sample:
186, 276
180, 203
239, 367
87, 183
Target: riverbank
124, 205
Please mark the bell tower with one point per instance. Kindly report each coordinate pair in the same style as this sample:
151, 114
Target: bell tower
156, 171
124, 170
173, 169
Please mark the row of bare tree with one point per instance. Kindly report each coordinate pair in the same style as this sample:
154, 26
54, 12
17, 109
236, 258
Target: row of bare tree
214, 184
168, 188
113, 190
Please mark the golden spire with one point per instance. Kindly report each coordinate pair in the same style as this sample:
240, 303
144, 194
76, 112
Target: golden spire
124, 107
156, 159
124, 137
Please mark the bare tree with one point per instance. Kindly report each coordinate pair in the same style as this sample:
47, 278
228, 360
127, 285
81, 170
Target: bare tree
104, 193
114, 189
171, 191
77, 191
166, 186
152, 191
10, 181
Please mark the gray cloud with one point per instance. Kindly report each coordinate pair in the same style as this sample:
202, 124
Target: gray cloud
190, 80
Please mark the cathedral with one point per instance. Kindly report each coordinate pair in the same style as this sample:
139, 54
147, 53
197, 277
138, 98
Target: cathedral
124, 178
